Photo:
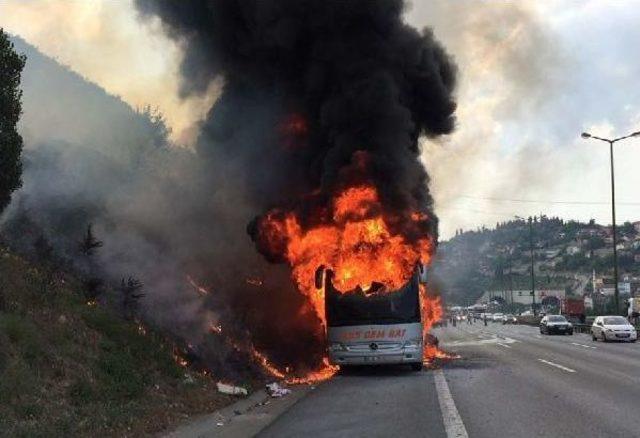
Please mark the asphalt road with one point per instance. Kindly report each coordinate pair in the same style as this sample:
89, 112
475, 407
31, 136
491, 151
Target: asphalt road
510, 381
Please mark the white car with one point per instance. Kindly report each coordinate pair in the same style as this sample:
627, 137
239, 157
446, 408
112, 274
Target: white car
497, 317
613, 328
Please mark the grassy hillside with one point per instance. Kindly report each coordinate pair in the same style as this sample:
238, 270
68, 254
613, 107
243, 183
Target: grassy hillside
70, 369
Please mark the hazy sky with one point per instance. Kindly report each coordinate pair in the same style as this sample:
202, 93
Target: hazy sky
533, 75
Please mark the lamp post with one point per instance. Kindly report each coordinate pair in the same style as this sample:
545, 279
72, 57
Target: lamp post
586, 135
533, 278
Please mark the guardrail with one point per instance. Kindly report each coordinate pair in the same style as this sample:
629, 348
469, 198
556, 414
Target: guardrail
582, 328
535, 321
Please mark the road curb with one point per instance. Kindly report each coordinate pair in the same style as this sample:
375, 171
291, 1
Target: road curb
246, 417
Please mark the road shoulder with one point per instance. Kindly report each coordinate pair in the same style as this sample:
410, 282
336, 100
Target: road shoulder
246, 417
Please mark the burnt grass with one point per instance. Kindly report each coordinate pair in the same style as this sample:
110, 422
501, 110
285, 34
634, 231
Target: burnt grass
70, 369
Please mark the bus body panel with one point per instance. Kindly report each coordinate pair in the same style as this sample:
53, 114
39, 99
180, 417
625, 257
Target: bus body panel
375, 344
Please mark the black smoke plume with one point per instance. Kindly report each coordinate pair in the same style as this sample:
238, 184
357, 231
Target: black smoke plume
310, 88
315, 82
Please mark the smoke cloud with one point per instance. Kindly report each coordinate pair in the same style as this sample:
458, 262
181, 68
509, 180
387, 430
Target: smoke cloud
309, 89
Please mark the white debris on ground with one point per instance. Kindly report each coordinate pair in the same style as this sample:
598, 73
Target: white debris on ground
230, 389
275, 390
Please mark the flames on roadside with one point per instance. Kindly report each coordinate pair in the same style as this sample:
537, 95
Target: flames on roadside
368, 245
357, 240
316, 130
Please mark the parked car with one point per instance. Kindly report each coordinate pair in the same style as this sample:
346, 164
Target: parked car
613, 328
551, 324
509, 319
497, 317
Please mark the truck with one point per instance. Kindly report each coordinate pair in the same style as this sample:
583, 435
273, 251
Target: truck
573, 309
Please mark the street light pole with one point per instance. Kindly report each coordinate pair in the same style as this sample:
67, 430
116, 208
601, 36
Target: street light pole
614, 230
533, 275
533, 278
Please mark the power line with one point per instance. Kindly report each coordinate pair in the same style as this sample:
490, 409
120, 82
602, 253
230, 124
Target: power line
468, 210
536, 201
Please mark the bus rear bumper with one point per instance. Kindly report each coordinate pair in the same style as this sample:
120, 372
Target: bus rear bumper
387, 358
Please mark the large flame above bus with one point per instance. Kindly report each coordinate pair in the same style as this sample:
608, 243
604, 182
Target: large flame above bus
355, 241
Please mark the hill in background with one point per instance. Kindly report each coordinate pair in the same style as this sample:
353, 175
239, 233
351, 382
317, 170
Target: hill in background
566, 255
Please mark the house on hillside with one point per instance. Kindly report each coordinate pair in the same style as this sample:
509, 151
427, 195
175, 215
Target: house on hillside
551, 253
573, 249
605, 286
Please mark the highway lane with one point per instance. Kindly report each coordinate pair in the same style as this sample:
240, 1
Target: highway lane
508, 381
542, 386
370, 402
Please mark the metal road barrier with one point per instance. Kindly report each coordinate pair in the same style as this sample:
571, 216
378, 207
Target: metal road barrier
582, 328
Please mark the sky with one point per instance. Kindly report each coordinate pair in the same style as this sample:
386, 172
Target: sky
533, 75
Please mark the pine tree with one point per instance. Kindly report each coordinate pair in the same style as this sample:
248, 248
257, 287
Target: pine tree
92, 283
131, 295
89, 243
11, 65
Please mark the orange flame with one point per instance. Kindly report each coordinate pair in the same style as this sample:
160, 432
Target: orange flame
357, 244
356, 241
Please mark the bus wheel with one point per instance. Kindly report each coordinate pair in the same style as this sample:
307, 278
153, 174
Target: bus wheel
416, 366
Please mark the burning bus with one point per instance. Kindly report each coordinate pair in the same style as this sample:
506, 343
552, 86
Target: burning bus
374, 326
363, 273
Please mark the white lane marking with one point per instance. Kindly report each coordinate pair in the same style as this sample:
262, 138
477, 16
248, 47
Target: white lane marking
453, 424
494, 340
504, 345
585, 346
569, 370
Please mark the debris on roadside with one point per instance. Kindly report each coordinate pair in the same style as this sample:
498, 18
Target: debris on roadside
188, 379
230, 389
275, 390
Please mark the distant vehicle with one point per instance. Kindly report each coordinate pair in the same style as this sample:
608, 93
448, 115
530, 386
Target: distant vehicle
497, 317
573, 308
634, 309
613, 328
509, 319
489, 316
527, 313
555, 324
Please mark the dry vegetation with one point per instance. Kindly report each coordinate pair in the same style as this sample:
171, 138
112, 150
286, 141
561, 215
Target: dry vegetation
69, 369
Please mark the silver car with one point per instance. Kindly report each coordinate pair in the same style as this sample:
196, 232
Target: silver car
613, 328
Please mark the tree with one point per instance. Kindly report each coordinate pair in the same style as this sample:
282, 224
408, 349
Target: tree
11, 65
89, 243
92, 283
131, 293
